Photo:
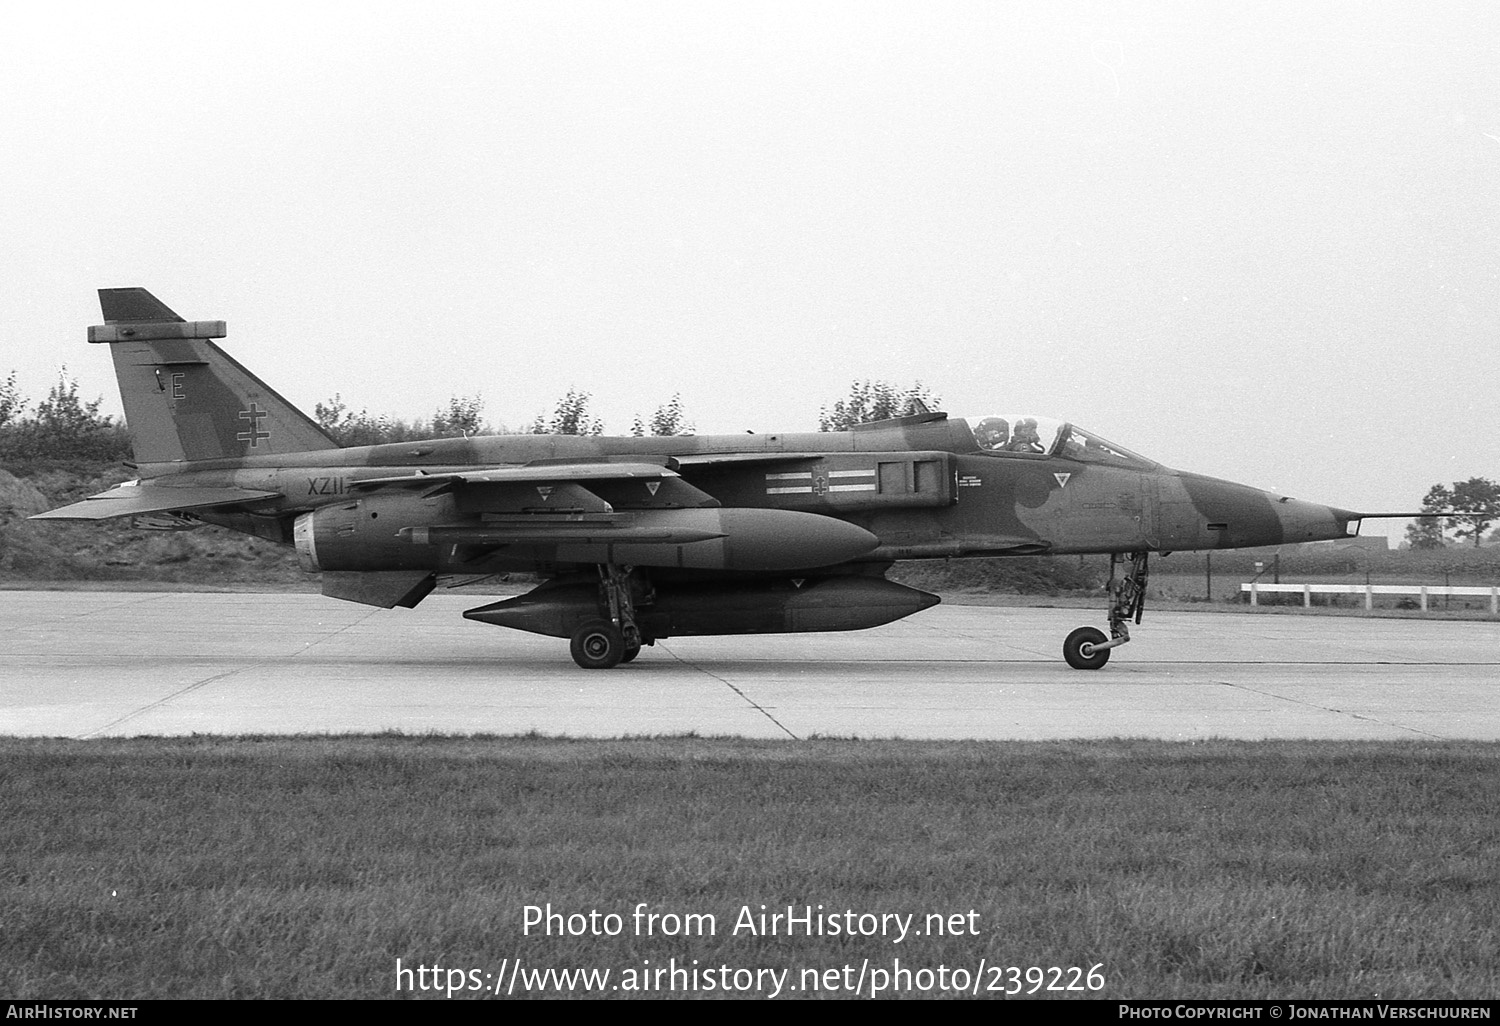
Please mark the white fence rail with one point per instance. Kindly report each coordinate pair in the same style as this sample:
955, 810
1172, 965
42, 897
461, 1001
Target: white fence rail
1369, 591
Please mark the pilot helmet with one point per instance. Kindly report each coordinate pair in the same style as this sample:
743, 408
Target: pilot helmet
992, 431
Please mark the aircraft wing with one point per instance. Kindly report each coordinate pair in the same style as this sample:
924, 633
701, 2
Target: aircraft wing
709, 459
134, 498
538, 473
549, 489
545, 473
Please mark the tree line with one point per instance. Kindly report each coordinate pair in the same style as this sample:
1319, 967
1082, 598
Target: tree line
572, 414
1476, 503
463, 417
63, 425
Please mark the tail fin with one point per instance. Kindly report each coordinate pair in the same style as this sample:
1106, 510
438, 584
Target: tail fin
185, 398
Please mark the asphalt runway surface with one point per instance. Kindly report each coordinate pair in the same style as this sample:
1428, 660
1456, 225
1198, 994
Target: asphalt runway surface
97, 664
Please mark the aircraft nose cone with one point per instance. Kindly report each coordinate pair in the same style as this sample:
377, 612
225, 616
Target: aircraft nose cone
1204, 512
1303, 521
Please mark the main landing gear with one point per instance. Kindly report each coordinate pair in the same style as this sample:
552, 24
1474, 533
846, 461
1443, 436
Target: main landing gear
604, 643
1087, 648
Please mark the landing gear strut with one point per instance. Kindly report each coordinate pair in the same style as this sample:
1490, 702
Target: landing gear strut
604, 643
1086, 648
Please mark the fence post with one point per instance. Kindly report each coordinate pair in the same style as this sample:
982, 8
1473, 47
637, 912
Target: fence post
1255, 594
1424, 598
1369, 598
1307, 596
1495, 601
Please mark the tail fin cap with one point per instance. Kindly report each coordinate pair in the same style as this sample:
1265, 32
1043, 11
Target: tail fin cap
139, 332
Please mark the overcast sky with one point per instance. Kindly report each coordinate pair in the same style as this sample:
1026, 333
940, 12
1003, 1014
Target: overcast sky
1256, 240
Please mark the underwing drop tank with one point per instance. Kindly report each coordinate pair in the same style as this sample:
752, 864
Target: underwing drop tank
841, 603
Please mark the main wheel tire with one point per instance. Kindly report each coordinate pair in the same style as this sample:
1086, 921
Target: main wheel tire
631, 651
598, 645
1079, 649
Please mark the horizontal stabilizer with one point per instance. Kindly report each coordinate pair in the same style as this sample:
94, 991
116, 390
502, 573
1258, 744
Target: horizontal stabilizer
134, 498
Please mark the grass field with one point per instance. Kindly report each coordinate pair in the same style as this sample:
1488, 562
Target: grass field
307, 867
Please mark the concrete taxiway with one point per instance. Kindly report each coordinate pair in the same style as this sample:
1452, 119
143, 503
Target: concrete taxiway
95, 664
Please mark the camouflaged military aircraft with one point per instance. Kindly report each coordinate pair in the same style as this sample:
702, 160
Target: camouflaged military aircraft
640, 539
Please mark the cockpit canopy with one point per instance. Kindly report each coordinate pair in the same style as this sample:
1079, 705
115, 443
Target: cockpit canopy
1047, 436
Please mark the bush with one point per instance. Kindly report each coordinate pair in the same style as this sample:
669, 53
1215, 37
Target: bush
62, 428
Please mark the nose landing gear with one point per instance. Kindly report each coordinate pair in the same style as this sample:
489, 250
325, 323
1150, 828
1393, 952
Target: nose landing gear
1086, 648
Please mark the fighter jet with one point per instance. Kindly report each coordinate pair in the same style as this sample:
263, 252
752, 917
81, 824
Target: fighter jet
640, 539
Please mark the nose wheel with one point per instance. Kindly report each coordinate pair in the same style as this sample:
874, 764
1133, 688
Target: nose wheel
1082, 651
1087, 648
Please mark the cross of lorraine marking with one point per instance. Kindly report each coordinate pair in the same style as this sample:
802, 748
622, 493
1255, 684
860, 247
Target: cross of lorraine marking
253, 416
